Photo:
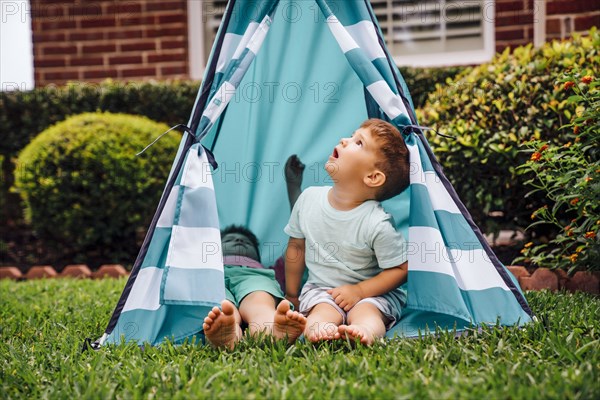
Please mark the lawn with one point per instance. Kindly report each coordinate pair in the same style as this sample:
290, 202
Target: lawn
43, 324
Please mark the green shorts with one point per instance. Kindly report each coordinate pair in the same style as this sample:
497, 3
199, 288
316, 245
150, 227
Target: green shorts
241, 281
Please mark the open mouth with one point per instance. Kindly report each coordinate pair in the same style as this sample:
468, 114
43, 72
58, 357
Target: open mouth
335, 153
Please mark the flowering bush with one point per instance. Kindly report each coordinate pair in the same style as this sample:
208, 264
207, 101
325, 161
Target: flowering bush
491, 110
569, 176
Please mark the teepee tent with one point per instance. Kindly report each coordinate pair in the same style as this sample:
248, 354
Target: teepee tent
289, 77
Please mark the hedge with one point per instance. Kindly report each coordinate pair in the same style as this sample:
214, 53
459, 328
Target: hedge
492, 110
86, 192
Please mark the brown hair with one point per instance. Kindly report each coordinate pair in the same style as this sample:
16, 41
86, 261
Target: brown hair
394, 162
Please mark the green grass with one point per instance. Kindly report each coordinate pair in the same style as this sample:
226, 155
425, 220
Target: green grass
43, 324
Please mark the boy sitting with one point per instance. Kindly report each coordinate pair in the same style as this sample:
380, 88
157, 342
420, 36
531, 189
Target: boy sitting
356, 259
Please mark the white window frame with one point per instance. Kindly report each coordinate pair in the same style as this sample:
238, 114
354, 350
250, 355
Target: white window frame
197, 60
478, 56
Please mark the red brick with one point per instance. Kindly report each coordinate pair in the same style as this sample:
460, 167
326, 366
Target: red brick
567, 7
100, 73
585, 22
76, 271
49, 62
99, 48
41, 271
55, 1
10, 273
138, 20
138, 46
119, 60
166, 6
584, 281
59, 24
542, 278
173, 44
52, 50
98, 23
504, 6
563, 278
512, 34
84, 36
86, 9
86, 61
138, 72
529, 33
156, 58
47, 11
61, 75
172, 18
110, 271
518, 18
174, 70
518, 271
43, 37
123, 9
163, 32
123, 34
553, 26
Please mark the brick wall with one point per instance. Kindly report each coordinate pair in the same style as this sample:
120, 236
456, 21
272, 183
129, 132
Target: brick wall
514, 23
515, 18
123, 40
564, 17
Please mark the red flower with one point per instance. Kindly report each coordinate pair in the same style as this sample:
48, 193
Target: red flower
536, 156
568, 85
575, 201
587, 79
590, 235
544, 147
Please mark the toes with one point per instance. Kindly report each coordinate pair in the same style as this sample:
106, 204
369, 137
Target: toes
227, 307
283, 307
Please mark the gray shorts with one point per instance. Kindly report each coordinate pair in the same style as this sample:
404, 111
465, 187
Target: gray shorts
312, 295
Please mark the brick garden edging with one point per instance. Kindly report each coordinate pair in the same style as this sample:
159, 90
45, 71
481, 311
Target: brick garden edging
79, 271
542, 278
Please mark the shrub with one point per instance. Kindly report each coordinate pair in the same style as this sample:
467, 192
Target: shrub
423, 82
569, 176
491, 110
86, 192
25, 114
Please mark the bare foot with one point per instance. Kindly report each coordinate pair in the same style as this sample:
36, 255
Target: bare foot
354, 332
287, 323
321, 331
221, 328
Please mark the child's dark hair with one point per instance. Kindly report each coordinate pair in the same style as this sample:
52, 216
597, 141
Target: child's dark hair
395, 162
242, 230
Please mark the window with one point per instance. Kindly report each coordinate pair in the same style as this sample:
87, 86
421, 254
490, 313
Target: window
417, 33
437, 32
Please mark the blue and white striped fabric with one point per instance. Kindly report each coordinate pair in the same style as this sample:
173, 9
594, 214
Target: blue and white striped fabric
454, 281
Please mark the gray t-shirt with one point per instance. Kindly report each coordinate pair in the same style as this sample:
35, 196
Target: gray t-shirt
346, 247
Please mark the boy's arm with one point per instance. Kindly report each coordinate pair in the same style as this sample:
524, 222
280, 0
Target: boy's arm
294, 269
387, 280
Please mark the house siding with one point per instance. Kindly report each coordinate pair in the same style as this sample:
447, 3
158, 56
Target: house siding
122, 40
148, 39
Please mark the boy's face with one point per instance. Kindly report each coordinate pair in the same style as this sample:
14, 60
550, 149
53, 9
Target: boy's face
353, 158
236, 244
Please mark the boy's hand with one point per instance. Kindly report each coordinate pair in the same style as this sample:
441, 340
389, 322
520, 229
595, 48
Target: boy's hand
346, 296
293, 170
